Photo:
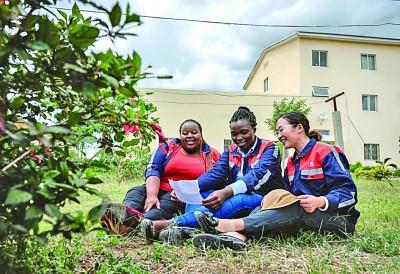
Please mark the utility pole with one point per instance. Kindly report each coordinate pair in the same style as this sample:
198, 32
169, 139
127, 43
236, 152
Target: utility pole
337, 122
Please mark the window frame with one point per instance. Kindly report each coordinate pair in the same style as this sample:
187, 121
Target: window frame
369, 156
266, 87
369, 96
368, 55
319, 58
320, 95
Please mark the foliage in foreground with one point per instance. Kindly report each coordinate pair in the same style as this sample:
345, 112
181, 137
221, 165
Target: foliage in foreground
55, 94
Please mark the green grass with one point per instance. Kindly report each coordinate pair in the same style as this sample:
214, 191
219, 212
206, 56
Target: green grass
374, 248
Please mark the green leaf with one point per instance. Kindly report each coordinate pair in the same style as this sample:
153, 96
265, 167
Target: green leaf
129, 92
16, 196
96, 212
111, 80
132, 142
77, 68
88, 88
63, 14
120, 153
48, 33
56, 130
20, 228
115, 15
52, 210
38, 45
3, 228
76, 12
83, 36
33, 212
51, 174
74, 118
132, 18
94, 181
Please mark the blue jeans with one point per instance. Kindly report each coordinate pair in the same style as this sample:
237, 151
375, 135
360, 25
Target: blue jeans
292, 218
136, 196
236, 206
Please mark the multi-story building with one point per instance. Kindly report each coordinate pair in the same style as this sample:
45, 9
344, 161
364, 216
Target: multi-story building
311, 66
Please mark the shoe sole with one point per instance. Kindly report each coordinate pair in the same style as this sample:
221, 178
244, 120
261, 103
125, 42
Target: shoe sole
204, 223
146, 226
176, 235
213, 241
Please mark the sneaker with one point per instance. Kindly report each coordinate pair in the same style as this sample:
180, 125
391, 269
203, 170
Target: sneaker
176, 235
216, 241
207, 221
118, 215
147, 229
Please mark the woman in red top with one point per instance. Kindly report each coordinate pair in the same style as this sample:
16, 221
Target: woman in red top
185, 158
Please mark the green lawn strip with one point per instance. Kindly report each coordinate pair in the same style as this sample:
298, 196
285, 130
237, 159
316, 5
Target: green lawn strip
375, 247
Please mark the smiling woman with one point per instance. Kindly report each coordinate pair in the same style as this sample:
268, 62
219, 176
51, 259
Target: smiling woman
246, 171
185, 158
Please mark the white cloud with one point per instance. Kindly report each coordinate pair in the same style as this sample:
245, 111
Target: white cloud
220, 57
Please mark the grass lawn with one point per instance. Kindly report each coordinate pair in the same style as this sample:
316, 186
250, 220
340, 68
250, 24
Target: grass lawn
375, 247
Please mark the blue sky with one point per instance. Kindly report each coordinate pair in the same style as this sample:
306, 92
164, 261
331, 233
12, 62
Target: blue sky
220, 57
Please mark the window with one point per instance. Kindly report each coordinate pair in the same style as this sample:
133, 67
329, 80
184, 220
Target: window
319, 58
227, 142
368, 61
266, 84
323, 131
320, 91
369, 102
371, 152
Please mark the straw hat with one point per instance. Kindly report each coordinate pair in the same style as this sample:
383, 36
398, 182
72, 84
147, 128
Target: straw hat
278, 198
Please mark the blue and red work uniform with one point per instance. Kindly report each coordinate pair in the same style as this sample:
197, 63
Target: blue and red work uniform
251, 175
323, 170
169, 161
320, 170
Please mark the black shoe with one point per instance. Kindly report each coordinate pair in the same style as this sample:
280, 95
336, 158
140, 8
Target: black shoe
147, 228
176, 235
214, 241
207, 221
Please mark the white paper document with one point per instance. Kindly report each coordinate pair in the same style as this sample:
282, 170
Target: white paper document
187, 191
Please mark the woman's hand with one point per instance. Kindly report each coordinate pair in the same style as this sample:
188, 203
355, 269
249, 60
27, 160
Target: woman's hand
215, 199
150, 202
310, 203
174, 197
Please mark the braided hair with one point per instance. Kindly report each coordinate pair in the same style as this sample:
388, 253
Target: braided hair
244, 113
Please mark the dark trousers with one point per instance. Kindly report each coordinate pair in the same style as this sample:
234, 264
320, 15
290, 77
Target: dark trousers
293, 218
136, 196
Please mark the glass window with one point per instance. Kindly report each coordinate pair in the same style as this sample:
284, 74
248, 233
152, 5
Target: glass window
266, 84
320, 91
369, 102
368, 61
227, 143
319, 58
371, 152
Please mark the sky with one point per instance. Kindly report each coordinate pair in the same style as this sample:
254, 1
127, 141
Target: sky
215, 57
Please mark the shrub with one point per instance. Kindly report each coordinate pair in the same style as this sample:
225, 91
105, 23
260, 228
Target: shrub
55, 96
355, 166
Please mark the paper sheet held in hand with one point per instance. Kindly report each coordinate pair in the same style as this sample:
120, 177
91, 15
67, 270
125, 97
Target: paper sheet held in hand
187, 191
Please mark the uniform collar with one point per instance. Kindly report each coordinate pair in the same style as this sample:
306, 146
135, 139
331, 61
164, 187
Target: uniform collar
251, 150
306, 149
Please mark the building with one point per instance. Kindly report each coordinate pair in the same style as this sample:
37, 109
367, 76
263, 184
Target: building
310, 66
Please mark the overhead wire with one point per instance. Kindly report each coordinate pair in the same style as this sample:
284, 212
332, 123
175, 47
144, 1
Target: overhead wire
242, 24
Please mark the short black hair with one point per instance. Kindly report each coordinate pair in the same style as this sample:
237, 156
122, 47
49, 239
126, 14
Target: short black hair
192, 121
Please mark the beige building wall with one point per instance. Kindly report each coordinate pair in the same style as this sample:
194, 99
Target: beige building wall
281, 65
288, 66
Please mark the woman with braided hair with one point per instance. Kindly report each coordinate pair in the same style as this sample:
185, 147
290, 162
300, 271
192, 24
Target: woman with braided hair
245, 172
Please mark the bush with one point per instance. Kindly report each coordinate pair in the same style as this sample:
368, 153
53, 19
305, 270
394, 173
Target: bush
133, 165
355, 166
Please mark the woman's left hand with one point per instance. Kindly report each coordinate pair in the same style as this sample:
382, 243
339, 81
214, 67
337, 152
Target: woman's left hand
310, 203
215, 199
